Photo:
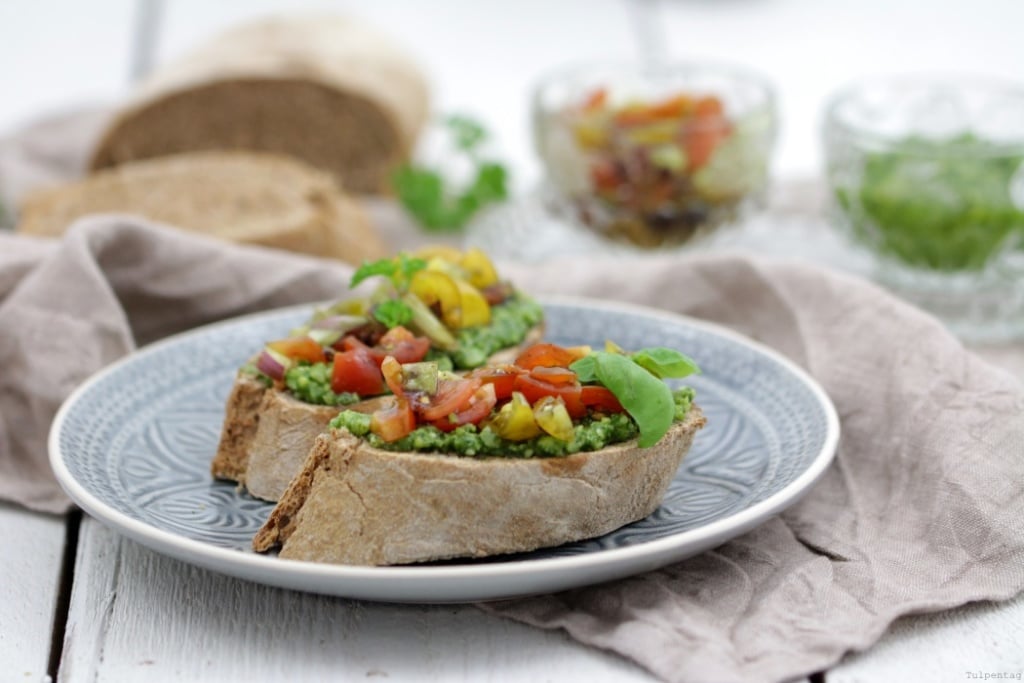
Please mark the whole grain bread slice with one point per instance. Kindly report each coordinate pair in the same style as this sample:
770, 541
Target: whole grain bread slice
263, 199
355, 504
327, 89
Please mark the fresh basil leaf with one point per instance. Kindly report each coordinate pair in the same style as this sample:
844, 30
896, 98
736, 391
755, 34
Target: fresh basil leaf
384, 266
663, 362
585, 368
393, 313
646, 398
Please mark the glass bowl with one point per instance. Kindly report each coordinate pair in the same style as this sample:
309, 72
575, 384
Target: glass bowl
654, 155
926, 174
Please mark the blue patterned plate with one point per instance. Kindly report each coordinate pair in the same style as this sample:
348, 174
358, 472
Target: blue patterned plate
132, 447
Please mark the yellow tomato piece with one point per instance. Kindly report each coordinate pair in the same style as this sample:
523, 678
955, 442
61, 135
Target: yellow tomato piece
475, 309
515, 420
433, 287
553, 418
439, 251
612, 347
479, 270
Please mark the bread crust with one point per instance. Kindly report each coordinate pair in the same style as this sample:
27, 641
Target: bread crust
267, 432
358, 505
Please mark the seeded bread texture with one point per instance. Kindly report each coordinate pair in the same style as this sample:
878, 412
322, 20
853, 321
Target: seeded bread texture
358, 505
327, 89
261, 199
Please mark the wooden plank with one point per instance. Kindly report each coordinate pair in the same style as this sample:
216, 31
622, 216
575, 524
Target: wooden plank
30, 575
136, 615
956, 645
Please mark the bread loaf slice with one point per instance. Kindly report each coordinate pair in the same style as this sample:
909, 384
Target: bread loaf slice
262, 199
267, 433
355, 504
327, 89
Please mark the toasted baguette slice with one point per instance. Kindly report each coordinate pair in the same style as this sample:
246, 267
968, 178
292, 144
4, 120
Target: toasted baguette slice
267, 433
262, 199
329, 90
355, 504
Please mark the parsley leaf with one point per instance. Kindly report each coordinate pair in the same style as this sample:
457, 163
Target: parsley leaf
399, 270
429, 199
393, 312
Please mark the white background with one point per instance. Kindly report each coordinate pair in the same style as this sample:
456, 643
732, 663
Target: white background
483, 55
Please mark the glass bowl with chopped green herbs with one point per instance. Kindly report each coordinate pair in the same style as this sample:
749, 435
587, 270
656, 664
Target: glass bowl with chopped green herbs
927, 175
654, 155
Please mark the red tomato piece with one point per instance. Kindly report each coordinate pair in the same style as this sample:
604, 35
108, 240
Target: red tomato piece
452, 396
503, 377
403, 345
547, 355
478, 408
560, 376
299, 348
534, 390
392, 371
393, 421
600, 398
352, 343
357, 371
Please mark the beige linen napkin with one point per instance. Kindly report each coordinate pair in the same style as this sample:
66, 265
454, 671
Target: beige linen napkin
921, 510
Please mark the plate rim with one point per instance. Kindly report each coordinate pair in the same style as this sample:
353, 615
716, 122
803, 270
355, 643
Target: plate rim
336, 579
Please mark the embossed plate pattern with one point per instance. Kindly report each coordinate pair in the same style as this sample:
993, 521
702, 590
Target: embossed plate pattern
132, 447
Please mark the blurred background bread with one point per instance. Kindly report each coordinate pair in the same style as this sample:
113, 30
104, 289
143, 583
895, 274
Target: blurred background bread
326, 89
252, 198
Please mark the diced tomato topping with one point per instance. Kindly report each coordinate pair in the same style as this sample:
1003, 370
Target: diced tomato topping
709, 107
497, 293
452, 395
299, 348
595, 100
560, 376
605, 176
600, 398
535, 389
392, 371
403, 345
393, 421
503, 377
357, 371
479, 406
547, 355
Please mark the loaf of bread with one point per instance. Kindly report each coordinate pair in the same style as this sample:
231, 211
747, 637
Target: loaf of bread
355, 504
267, 433
326, 89
251, 198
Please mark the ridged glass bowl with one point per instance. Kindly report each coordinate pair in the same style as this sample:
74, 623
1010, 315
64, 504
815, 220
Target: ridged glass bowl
653, 155
926, 174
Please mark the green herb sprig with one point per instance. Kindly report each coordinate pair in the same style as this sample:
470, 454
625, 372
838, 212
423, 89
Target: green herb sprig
636, 379
399, 270
438, 208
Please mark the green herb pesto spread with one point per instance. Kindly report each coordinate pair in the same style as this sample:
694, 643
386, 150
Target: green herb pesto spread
510, 321
590, 434
312, 383
943, 205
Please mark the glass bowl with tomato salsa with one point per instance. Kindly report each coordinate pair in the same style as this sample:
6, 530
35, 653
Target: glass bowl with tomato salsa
654, 155
926, 176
